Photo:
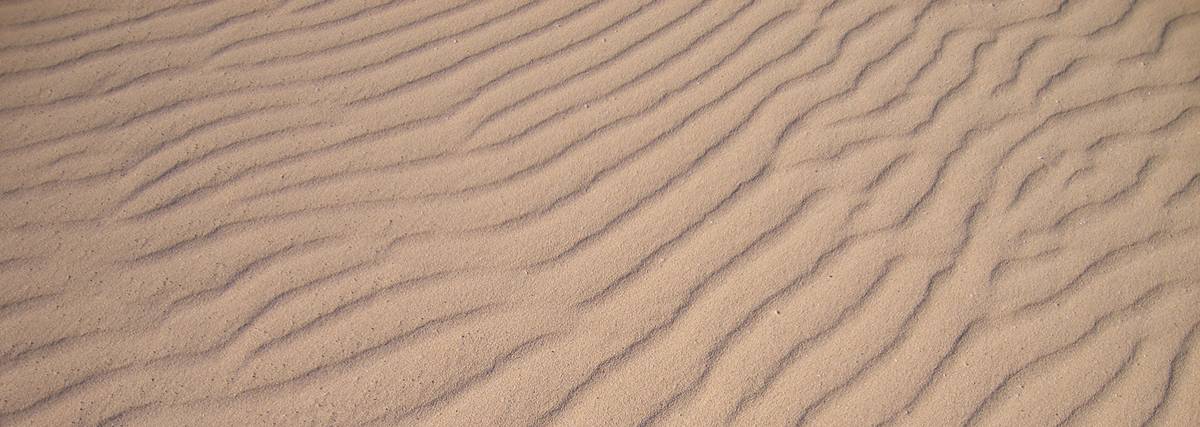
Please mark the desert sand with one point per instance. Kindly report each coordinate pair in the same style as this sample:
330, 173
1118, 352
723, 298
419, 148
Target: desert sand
683, 212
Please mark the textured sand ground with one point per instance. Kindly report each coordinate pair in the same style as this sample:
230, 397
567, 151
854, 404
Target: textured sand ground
685, 212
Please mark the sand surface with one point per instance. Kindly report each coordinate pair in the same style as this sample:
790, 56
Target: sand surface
684, 212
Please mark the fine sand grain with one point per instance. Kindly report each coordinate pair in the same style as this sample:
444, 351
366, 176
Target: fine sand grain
620, 212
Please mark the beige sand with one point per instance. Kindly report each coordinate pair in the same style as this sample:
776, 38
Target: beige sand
431, 212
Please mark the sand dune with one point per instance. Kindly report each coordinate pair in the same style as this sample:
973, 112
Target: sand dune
693, 212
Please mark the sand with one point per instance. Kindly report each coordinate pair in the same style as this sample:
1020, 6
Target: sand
718, 212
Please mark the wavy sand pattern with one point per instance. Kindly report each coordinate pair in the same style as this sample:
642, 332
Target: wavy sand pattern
692, 212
